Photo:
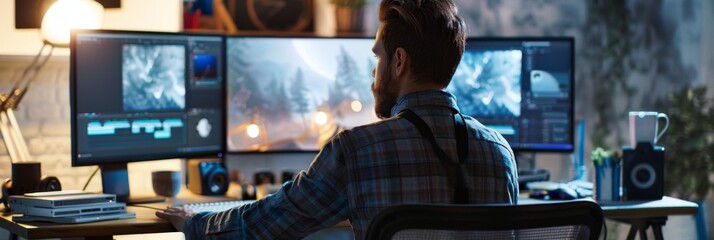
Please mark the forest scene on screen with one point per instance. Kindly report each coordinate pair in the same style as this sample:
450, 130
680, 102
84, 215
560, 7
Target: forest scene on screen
295, 94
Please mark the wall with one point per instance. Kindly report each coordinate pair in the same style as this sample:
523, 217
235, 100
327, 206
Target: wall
708, 47
154, 15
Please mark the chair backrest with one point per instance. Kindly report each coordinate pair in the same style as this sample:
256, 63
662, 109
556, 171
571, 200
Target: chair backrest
576, 219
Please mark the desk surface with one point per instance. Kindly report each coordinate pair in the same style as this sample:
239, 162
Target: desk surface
640, 209
147, 222
665, 207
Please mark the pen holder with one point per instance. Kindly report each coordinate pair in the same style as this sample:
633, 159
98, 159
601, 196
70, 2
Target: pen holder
607, 180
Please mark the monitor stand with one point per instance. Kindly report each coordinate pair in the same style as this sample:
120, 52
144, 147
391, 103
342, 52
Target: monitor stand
115, 180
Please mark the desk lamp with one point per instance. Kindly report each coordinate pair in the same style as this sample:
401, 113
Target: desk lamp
62, 16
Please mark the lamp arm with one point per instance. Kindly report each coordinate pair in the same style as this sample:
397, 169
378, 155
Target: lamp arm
12, 137
20, 142
37, 69
29, 67
9, 128
7, 138
28, 76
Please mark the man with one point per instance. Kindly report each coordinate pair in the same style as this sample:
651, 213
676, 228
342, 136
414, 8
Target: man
369, 168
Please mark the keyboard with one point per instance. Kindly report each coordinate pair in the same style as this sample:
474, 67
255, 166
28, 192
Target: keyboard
215, 206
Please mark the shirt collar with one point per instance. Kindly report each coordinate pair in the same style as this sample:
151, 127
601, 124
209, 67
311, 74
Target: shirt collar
432, 98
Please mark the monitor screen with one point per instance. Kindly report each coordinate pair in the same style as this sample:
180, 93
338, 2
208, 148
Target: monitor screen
294, 94
523, 88
145, 96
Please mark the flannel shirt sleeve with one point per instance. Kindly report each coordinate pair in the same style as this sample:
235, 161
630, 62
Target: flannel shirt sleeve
315, 200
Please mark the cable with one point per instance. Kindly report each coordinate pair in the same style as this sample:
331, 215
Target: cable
90, 179
28, 75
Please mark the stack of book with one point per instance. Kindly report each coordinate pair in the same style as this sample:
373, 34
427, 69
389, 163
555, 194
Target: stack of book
67, 207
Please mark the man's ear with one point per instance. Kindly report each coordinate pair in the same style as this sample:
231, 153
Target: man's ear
400, 63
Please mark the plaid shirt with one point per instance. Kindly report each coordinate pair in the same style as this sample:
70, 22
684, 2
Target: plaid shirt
369, 168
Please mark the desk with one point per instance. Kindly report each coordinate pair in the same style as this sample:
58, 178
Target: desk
640, 214
145, 222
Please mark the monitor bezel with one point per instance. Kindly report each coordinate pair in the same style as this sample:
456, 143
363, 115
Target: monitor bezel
288, 36
143, 157
571, 41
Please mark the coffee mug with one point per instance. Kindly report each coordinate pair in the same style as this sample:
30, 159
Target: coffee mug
644, 127
166, 183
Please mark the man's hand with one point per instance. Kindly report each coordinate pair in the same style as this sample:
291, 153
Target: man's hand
177, 216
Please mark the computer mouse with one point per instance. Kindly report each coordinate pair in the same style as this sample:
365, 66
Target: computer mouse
562, 192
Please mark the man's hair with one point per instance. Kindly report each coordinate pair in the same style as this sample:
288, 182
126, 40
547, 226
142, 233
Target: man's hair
430, 31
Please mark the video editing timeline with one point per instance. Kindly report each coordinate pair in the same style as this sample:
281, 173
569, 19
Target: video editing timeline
150, 126
146, 95
520, 87
294, 94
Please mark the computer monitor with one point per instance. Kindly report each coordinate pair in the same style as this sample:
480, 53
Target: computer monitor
139, 96
521, 87
294, 94
281, 89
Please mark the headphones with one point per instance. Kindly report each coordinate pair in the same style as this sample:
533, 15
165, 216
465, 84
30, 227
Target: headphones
46, 184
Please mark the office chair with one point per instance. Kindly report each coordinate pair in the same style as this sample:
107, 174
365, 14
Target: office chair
577, 219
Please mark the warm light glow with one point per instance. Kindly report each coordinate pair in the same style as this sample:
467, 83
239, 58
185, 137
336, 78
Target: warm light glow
321, 118
64, 15
253, 131
356, 106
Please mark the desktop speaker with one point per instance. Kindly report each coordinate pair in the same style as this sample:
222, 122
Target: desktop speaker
207, 177
643, 172
263, 177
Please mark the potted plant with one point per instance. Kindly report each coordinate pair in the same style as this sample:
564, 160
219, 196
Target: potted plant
689, 144
349, 15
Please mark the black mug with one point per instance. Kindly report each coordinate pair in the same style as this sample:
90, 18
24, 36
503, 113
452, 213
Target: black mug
25, 177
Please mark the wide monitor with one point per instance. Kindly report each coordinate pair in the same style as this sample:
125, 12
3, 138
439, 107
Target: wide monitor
522, 88
144, 96
294, 94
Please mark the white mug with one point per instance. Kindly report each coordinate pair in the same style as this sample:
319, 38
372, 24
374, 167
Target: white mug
644, 127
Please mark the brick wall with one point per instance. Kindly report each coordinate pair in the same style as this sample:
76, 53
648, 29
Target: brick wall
44, 119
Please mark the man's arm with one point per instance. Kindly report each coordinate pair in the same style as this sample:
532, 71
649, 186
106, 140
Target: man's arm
315, 200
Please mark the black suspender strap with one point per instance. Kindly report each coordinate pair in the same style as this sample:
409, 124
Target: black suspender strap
462, 147
454, 169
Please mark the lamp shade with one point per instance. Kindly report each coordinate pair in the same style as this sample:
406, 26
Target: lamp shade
64, 15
